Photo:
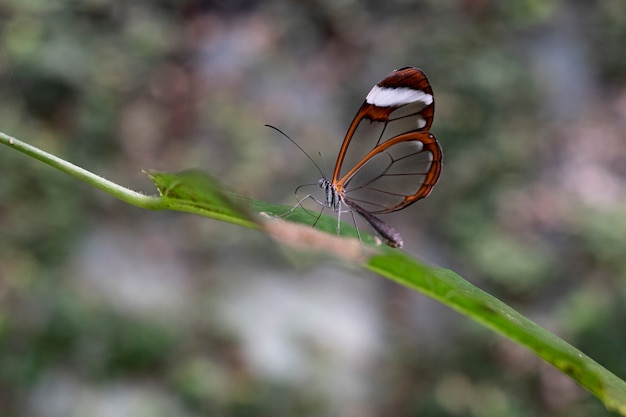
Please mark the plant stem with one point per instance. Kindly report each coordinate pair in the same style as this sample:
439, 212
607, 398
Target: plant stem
125, 194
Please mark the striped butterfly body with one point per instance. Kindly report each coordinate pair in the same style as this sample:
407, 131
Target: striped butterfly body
388, 159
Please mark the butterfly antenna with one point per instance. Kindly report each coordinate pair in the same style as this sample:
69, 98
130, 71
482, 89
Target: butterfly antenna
299, 147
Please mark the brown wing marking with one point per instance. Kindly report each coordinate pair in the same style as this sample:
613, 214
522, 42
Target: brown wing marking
408, 77
432, 176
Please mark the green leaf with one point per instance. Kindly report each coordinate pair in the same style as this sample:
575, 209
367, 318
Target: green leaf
460, 295
196, 192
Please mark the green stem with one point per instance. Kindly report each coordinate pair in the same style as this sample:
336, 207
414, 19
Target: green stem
125, 194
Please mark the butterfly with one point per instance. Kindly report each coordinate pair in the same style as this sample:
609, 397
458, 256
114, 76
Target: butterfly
388, 159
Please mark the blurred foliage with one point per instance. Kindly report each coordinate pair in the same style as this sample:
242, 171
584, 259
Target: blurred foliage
531, 103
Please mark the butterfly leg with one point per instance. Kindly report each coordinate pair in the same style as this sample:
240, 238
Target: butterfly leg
299, 204
339, 219
319, 216
356, 227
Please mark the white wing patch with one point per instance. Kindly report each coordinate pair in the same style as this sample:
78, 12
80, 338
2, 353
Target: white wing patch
392, 97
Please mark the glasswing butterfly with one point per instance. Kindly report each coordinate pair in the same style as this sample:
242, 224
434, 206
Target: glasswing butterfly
388, 159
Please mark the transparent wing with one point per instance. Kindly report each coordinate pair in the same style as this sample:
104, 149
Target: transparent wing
394, 174
401, 103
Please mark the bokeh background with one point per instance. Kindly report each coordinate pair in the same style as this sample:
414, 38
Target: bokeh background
109, 310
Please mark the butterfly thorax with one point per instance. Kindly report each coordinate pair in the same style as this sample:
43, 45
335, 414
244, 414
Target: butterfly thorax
333, 197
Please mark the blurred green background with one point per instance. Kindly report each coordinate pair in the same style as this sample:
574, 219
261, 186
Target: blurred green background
108, 310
